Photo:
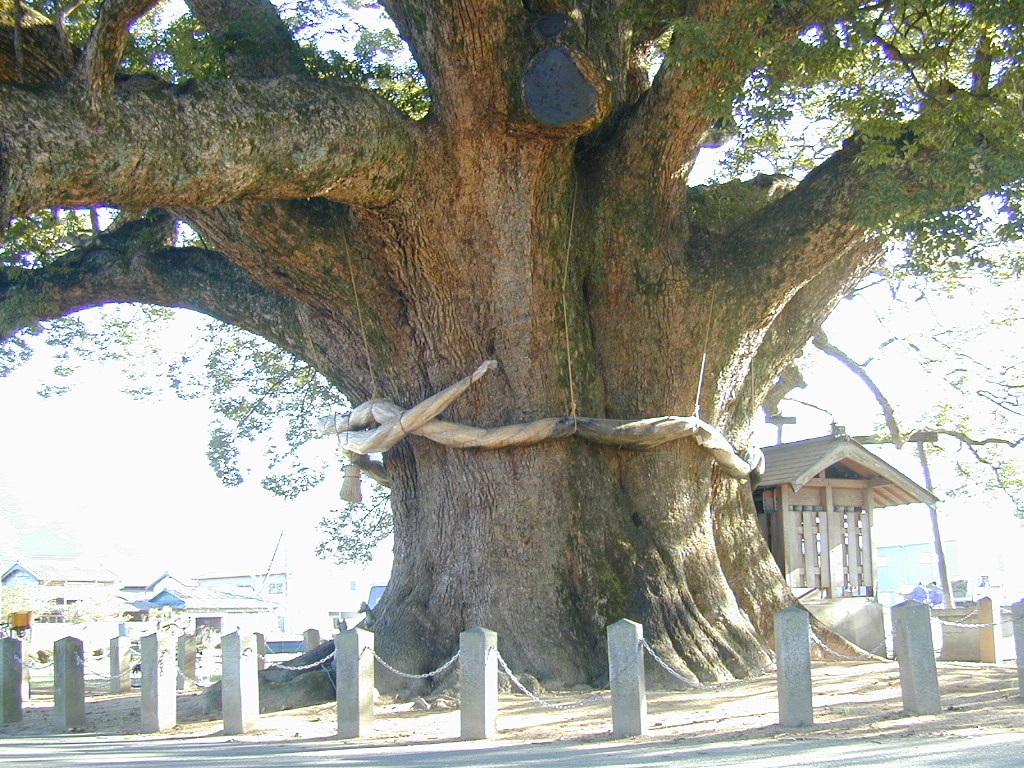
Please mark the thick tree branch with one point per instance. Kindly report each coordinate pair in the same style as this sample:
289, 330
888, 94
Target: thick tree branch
791, 378
106, 45
254, 40
200, 145
793, 326
820, 340
800, 234
663, 136
465, 48
32, 48
135, 264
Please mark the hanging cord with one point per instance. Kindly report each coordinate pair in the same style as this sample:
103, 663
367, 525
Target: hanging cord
359, 316
565, 303
704, 354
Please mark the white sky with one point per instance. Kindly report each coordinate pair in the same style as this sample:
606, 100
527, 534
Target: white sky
96, 473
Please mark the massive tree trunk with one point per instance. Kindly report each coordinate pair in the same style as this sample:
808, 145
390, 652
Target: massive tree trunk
539, 217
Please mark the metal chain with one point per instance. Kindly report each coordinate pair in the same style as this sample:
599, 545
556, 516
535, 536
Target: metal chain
973, 626
696, 683
191, 679
100, 675
32, 665
391, 669
516, 682
314, 665
866, 655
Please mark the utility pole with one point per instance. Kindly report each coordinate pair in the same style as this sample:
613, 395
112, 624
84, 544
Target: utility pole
947, 590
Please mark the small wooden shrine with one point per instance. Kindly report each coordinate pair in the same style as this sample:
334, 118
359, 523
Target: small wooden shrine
815, 502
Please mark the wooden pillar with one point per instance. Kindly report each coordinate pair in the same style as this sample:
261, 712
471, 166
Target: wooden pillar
812, 568
835, 545
870, 577
791, 522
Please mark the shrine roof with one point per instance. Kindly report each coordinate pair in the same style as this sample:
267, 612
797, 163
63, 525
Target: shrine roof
839, 456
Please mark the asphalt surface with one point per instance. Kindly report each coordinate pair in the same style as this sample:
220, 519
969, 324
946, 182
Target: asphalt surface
70, 751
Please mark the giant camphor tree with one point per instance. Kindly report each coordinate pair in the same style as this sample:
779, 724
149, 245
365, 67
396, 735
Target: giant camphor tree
537, 215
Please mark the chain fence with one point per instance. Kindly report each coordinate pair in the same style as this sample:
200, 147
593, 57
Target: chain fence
26, 662
694, 683
530, 694
873, 653
440, 670
964, 625
305, 667
196, 683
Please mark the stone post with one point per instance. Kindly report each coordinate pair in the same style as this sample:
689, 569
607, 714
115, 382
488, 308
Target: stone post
1018, 641
69, 684
120, 664
919, 678
793, 666
990, 641
353, 674
159, 699
26, 682
310, 640
186, 661
240, 685
261, 651
478, 683
11, 665
626, 678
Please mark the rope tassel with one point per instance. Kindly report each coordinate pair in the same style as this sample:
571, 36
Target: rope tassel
351, 487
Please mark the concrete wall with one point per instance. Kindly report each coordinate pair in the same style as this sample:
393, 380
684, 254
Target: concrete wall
858, 619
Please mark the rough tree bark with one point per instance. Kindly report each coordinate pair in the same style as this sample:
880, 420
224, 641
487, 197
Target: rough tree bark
539, 216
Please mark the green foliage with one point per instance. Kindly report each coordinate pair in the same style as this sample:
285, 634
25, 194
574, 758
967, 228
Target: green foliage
931, 89
177, 49
40, 238
374, 58
256, 389
351, 533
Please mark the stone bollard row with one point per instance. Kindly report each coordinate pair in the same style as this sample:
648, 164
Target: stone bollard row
159, 677
478, 683
187, 652
354, 680
69, 684
626, 678
240, 685
915, 653
793, 663
990, 634
478, 657
310, 640
261, 651
120, 664
11, 666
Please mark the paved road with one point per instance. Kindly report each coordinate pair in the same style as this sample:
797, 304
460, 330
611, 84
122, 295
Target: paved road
991, 751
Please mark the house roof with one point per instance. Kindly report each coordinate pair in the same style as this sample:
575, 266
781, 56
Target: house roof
205, 599
50, 569
796, 463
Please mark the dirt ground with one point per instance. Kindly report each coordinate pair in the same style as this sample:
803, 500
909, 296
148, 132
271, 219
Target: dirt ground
851, 700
